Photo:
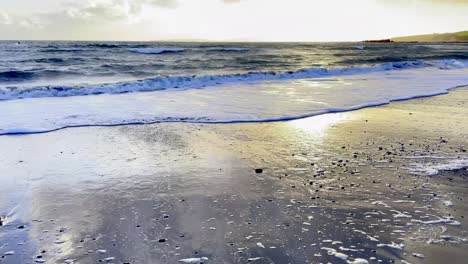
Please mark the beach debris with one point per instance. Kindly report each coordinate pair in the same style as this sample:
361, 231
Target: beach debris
258, 170
194, 260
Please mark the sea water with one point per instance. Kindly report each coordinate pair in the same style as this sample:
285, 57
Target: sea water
45, 86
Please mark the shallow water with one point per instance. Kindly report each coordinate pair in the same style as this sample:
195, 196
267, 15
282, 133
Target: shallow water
166, 192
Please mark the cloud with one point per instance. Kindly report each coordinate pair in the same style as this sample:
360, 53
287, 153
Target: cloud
406, 2
447, 1
5, 19
87, 19
163, 3
112, 10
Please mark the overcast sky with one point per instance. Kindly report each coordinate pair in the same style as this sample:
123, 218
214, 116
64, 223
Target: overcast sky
255, 20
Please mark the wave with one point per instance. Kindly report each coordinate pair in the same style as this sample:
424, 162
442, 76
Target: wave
261, 102
194, 81
17, 76
103, 45
49, 60
220, 49
10, 76
156, 51
61, 50
56, 60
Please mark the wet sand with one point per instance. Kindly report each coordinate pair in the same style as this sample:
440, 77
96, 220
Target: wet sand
377, 185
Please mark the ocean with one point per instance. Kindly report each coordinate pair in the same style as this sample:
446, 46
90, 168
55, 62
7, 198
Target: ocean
45, 86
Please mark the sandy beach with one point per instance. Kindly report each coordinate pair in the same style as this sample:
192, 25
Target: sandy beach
378, 185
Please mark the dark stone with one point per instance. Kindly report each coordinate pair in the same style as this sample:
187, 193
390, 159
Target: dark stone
21, 227
258, 170
162, 240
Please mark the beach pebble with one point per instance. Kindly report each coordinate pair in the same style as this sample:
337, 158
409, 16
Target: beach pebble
258, 170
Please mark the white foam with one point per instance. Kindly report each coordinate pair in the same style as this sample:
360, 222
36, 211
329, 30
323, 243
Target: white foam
360, 47
194, 260
400, 214
194, 81
439, 220
447, 203
442, 165
257, 102
358, 261
334, 252
392, 245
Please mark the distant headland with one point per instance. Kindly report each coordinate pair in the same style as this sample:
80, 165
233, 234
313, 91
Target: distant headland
461, 36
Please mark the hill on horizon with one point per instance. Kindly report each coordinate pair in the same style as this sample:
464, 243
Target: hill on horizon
461, 36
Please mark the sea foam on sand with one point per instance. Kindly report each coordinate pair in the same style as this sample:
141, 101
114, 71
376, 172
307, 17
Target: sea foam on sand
258, 102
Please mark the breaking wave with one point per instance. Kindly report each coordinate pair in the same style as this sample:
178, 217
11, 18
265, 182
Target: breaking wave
194, 81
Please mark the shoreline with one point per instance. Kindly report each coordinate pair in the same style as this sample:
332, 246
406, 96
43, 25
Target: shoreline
334, 188
280, 119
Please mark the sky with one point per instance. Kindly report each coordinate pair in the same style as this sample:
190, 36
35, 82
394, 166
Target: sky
228, 20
